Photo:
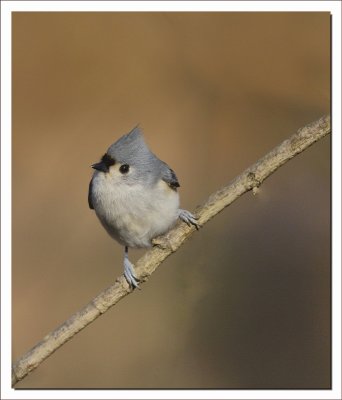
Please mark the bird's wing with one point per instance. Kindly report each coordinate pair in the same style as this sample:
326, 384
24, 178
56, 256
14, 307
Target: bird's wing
169, 176
90, 191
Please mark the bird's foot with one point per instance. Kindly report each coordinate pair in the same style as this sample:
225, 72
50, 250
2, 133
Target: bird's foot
130, 274
188, 218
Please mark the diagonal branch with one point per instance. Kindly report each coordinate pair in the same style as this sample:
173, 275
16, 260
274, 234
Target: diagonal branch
250, 179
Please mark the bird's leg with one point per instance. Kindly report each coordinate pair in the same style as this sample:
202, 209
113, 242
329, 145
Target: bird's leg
129, 271
188, 218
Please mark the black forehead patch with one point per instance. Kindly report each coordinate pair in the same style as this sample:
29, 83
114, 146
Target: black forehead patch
107, 160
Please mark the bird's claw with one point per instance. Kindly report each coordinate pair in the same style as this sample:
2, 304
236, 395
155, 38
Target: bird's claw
188, 218
129, 273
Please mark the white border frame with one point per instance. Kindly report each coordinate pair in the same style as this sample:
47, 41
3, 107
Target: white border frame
7, 7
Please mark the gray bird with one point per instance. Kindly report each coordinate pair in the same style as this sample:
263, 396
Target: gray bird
134, 195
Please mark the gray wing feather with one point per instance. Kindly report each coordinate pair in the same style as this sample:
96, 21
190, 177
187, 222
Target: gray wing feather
169, 176
90, 191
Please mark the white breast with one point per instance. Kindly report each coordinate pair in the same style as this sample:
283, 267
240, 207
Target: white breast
134, 214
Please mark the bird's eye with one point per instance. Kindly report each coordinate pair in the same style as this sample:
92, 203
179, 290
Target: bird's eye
124, 168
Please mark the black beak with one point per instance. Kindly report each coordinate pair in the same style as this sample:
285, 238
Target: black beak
100, 166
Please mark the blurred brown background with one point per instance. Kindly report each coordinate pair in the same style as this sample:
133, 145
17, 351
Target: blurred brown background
246, 302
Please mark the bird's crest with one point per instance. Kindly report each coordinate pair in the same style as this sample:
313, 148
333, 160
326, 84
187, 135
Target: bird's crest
130, 148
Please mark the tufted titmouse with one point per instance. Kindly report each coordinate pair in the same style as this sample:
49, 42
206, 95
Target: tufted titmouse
134, 195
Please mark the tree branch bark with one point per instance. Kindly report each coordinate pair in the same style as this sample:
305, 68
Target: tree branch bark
250, 179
